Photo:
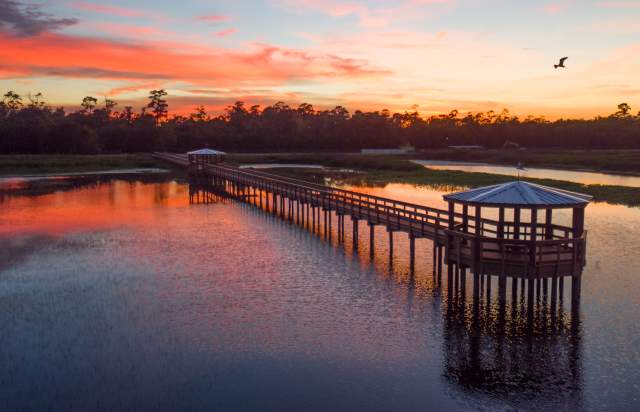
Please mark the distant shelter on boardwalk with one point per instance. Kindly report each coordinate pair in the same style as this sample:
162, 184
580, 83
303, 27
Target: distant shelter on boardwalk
202, 157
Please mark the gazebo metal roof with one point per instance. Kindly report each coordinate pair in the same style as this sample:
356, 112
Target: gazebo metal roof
206, 152
519, 193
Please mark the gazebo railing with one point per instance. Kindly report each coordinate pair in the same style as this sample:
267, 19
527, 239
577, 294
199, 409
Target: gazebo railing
490, 227
527, 258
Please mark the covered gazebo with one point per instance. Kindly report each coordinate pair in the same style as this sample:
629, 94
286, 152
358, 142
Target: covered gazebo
203, 157
510, 230
511, 199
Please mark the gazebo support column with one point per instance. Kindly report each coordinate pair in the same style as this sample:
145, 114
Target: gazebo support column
578, 221
548, 225
465, 218
449, 261
576, 281
533, 267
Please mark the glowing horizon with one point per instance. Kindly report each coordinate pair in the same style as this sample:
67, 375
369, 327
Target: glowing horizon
431, 55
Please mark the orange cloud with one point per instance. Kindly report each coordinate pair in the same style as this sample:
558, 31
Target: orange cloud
95, 58
133, 88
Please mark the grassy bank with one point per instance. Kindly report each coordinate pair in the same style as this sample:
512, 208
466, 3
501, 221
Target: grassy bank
455, 179
41, 164
335, 160
615, 161
393, 169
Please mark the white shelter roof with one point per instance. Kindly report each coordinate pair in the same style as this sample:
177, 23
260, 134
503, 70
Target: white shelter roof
206, 152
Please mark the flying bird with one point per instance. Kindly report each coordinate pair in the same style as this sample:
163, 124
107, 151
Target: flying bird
561, 64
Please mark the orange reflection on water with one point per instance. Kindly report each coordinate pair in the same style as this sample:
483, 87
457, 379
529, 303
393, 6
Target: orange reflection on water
98, 206
404, 192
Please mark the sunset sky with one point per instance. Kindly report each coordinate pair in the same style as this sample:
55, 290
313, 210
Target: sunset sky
433, 55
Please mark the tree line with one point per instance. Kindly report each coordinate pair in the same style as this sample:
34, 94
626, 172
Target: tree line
29, 125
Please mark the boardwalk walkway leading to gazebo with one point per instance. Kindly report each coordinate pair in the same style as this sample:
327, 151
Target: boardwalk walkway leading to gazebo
522, 249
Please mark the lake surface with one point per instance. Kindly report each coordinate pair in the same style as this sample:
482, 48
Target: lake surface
141, 294
587, 178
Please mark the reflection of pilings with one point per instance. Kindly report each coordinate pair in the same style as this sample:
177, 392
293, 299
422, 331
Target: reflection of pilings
199, 195
534, 292
492, 352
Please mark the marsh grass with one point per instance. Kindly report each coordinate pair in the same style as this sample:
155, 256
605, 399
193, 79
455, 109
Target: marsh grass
37, 164
618, 161
336, 160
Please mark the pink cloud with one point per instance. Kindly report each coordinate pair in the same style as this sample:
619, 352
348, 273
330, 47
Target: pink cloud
226, 32
213, 18
620, 4
102, 9
381, 14
130, 30
555, 8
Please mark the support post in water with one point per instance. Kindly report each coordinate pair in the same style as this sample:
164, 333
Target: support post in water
412, 252
390, 246
372, 234
355, 235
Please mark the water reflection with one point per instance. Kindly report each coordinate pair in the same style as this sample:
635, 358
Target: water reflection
587, 178
129, 295
501, 350
522, 350
60, 205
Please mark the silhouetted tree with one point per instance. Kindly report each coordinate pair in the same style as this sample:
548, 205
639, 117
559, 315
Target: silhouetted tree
200, 115
88, 104
158, 105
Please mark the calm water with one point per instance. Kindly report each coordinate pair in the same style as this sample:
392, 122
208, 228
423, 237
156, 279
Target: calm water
121, 294
587, 178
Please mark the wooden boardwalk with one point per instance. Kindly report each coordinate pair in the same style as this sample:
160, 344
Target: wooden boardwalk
552, 255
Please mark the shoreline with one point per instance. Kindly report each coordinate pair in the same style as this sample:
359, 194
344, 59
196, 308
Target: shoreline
547, 167
87, 173
614, 162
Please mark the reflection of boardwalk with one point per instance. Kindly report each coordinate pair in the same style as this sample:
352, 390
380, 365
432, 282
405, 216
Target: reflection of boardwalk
531, 255
203, 195
515, 354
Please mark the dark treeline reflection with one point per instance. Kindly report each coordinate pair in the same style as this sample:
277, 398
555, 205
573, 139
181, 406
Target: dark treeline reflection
29, 125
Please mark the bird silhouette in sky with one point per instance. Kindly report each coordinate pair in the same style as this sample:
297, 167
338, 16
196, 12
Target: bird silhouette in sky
561, 64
